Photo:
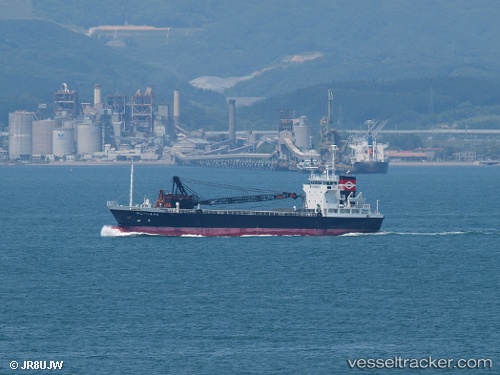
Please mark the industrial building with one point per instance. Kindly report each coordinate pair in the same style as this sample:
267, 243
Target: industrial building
83, 131
136, 127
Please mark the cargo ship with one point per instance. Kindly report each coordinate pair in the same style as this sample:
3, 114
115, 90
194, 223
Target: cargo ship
372, 166
368, 155
331, 207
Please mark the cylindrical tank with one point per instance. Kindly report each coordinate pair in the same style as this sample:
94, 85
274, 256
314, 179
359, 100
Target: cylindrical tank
302, 133
62, 142
20, 134
89, 138
71, 124
42, 136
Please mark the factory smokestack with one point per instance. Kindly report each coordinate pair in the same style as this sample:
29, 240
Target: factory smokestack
97, 95
177, 108
232, 121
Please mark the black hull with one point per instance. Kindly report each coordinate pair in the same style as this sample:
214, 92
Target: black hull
365, 167
239, 223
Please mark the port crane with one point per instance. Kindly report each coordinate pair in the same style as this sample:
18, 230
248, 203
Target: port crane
329, 136
184, 197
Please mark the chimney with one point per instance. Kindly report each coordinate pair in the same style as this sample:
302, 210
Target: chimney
97, 96
232, 121
177, 108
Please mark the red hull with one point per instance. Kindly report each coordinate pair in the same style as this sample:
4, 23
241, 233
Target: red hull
232, 232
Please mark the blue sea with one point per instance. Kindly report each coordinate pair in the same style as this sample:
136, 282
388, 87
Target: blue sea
426, 287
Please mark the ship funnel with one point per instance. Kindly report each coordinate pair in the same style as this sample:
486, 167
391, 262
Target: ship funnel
347, 185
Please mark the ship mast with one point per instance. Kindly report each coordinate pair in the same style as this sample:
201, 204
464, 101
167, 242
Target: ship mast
334, 149
131, 185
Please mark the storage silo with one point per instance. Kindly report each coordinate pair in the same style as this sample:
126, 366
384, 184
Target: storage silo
89, 138
62, 142
20, 134
302, 132
71, 124
42, 136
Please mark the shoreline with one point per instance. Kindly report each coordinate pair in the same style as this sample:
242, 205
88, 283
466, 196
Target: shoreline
169, 164
90, 163
440, 164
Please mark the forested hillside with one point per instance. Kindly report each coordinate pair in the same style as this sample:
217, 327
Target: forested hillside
363, 39
380, 57
407, 104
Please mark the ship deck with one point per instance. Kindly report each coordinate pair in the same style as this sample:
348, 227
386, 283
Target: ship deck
362, 210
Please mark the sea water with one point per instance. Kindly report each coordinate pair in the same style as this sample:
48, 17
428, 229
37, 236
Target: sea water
72, 290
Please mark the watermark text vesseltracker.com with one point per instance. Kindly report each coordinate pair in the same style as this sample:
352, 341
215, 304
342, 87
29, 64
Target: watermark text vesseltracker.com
420, 363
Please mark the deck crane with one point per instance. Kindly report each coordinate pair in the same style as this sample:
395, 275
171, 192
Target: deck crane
185, 198
374, 127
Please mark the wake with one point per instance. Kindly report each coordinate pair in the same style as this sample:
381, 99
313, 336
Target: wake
446, 233
112, 231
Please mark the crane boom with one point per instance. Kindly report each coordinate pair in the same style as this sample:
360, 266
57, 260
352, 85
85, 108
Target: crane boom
177, 186
180, 197
248, 198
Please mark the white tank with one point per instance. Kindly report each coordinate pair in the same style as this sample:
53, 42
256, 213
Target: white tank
302, 133
20, 134
89, 138
62, 142
42, 136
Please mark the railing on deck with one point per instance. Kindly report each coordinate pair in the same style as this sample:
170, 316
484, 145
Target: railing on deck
242, 212
363, 209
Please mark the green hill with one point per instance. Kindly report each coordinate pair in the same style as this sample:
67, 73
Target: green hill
379, 56
407, 104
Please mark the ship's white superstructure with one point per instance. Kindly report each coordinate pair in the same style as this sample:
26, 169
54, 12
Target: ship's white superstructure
364, 151
333, 195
